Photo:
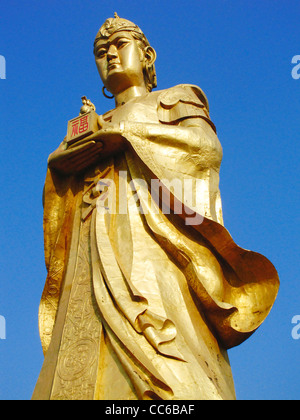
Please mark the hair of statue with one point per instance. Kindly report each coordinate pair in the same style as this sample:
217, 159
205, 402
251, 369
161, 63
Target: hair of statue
113, 25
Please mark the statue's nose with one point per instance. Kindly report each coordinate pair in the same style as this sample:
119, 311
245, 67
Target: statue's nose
112, 52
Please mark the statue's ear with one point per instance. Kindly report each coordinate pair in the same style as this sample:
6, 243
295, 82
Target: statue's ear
150, 56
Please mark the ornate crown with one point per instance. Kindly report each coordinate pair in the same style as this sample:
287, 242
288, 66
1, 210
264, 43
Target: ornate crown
117, 24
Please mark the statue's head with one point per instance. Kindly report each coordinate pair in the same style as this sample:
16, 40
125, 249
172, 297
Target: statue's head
111, 39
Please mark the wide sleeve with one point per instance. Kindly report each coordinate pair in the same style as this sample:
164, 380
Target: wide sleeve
58, 199
239, 289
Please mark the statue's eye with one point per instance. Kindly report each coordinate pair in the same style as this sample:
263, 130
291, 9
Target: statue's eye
101, 52
122, 42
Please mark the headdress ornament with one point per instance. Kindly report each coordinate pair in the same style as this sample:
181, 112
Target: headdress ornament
117, 24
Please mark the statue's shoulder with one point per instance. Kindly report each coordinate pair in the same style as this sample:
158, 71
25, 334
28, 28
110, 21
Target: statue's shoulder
183, 93
182, 102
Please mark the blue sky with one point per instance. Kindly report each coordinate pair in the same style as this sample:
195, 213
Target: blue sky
240, 53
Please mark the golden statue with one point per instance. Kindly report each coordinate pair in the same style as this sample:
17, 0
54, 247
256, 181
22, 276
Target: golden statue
146, 289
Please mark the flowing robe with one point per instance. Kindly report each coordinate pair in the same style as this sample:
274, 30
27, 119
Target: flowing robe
146, 290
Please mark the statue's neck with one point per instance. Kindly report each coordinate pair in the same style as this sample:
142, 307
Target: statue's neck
130, 93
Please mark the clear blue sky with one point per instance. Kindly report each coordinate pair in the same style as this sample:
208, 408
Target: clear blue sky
239, 52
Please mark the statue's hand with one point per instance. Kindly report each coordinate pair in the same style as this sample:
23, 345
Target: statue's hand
109, 135
75, 158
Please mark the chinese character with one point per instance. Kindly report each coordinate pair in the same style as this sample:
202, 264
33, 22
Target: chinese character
2, 67
75, 126
84, 125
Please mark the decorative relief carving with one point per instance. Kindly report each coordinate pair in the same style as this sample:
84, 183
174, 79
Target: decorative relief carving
77, 362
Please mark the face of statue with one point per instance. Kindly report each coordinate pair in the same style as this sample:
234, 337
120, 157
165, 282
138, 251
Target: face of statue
120, 62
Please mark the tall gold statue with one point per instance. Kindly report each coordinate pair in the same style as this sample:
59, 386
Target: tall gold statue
146, 290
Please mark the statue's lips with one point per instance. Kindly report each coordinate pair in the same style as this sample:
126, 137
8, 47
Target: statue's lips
113, 65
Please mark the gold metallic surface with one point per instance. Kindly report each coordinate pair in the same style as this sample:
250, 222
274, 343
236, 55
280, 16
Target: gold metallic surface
146, 289
87, 106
